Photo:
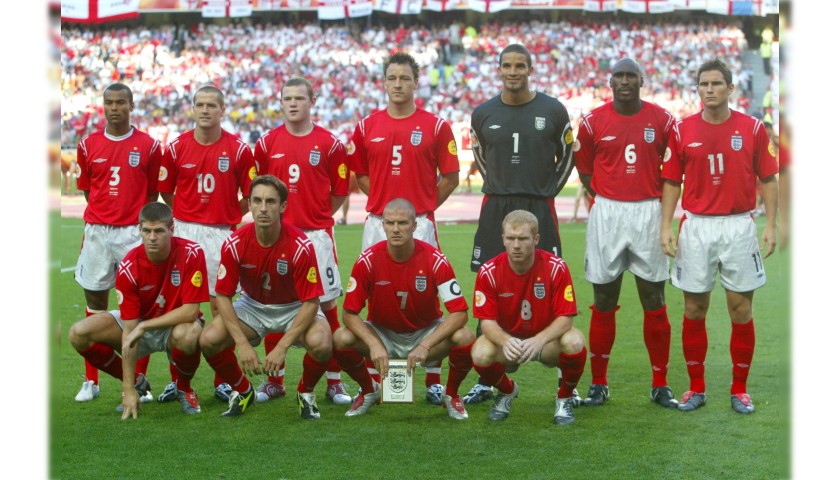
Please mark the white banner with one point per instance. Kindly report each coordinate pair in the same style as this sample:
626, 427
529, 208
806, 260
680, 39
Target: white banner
99, 11
689, 4
440, 5
400, 7
338, 9
647, 6
226, 8
489, 6
600, 5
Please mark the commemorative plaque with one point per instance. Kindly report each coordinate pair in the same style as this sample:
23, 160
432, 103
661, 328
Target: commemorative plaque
398, 387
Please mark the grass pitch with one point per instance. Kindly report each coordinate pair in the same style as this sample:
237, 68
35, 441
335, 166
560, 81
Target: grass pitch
629, 437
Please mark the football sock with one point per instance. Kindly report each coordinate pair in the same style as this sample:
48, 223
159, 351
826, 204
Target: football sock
572, 367
227, 366
353, 363
460, 363
186, 364
695, 345
495, 375
657, 332
142, 365
333, 368
104, 358
91, 372
374, 373
601, 339
313, 370
741, 348
433, 373
270, 341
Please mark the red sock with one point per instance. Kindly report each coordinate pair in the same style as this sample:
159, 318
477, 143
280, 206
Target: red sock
601, 339
142, 366
104, 358
495, 376
695, 345
269, 342
313, 370
741, 348
572, 367
91, 372
333, 368
433, 373
460, 364
226, 365
657, 330
353, 363
173, 372
374, 373
186, 364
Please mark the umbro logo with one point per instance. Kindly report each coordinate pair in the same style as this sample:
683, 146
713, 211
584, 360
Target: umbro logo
278, 155
248, 265
189, 165
608, 138
506, 294
147, 287
377, 139
493, 127
383, 283
100, 160
695, 144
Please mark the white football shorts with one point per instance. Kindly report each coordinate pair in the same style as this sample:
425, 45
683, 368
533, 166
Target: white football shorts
211, 238
374, 232
624, 236
725, 243
103, 248
324, 247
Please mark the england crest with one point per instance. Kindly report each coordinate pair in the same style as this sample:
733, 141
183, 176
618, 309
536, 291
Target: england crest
476, 252
539, 290
282, 267
314, 157
416, 137
175, 277
134, 159
539, 123
397, 380
420, 283
737, 142
224, 164
650, 135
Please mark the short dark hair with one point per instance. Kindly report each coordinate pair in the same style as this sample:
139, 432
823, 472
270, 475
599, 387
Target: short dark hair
156, 212
211, 89
401, 204
271, 181
120, 87
716, 64
516, 48
401, 58
295, 81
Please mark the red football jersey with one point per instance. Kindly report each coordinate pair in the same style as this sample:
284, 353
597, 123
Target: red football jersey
307, 165
403, 297
402, 157
624, 154
524, 305
283, 273
119, 174
720, 163
207, 179
146, 291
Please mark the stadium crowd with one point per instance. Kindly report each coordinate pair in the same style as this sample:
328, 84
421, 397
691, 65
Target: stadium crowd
250, 61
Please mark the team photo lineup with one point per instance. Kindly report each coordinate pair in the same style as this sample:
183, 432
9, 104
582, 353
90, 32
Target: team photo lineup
217, 161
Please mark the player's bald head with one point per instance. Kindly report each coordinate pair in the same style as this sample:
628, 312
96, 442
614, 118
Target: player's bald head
627, 65
402, 204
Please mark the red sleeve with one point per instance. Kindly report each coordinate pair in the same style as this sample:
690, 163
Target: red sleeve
168, 173
307, 283
357, 155
563, 301
448, 288
766, 162
584, 150
228, 274
128, 298
339, 178
447, 150
672, 163
83, 182
247, 169
358, 287
484, 299
261, 156
154, 169
196, 290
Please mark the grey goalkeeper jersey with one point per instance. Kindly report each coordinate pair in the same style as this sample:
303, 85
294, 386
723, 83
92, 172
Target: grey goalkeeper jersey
523, 150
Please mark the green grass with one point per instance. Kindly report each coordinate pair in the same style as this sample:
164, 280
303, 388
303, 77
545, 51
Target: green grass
627, 438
